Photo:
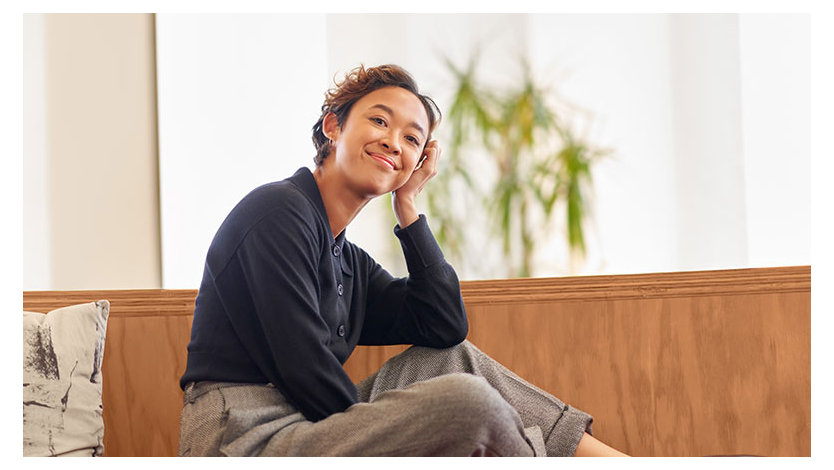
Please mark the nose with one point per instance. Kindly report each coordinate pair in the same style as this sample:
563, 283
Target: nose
391, 142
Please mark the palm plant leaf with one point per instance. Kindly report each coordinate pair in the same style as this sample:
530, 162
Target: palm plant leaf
519, 129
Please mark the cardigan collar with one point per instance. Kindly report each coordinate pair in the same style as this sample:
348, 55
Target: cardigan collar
306, 182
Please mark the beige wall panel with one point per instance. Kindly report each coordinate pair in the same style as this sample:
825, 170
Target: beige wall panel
101, 151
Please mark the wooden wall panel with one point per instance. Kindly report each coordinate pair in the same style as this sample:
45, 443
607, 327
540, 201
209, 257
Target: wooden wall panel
675, 377
697, 363
366, 360
143, 362
669, 364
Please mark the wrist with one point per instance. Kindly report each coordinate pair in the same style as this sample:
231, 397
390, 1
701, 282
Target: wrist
405, 210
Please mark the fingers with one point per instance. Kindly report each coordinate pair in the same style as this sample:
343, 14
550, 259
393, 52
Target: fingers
432, 153
428, 169
425, 170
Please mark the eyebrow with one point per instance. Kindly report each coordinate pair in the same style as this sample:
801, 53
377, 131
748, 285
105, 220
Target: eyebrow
391, 112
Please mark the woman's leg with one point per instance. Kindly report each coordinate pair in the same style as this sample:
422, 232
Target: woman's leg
452, 415
562, 427
589, 446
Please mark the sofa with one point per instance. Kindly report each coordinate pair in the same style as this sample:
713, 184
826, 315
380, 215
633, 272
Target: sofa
669, 364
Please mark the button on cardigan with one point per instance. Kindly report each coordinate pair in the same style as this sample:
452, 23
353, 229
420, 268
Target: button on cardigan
283, 302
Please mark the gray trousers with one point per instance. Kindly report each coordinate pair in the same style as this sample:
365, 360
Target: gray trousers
423, 402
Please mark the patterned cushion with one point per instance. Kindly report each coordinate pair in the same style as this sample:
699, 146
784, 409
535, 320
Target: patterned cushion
62, 353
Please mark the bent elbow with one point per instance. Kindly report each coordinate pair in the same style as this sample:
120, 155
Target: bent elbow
461, 336
462, 329
456, 335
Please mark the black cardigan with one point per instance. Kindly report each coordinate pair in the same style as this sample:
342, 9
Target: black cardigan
282, 302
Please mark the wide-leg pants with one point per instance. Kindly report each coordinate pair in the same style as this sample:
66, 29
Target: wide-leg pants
423, 402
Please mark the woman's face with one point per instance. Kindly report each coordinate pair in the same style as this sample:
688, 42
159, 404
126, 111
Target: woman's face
381, 141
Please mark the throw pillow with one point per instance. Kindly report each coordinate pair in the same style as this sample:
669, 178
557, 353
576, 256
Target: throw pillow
62, 354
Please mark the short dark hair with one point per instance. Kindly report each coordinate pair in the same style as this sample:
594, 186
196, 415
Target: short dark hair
358, 83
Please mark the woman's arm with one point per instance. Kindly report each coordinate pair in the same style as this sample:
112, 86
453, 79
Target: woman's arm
403, 199
424, 308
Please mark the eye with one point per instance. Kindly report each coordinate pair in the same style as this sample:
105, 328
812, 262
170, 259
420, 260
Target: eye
413, 140
378, 120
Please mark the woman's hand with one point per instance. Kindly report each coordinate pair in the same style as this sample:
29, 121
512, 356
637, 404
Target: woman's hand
404, 197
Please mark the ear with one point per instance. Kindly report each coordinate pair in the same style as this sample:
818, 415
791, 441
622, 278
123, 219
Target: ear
330, 126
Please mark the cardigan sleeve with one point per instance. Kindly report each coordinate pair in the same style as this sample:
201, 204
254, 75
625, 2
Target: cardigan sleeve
425, 308
270, 293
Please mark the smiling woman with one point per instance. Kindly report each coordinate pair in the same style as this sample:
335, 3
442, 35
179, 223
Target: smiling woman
285, 298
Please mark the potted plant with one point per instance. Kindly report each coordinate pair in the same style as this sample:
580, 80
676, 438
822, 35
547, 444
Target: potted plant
538, 167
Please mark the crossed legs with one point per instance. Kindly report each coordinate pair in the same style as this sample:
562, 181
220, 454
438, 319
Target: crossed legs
565, 430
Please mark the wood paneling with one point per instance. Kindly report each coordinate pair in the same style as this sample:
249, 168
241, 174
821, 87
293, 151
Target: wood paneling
143, 362
677, 377
123, 303
669, 364
638, 286
696, 363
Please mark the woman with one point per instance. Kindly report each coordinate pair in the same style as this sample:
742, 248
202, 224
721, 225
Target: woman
285, 298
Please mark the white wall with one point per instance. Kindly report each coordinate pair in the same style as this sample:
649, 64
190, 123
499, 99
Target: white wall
238, 95
701, 111
680, 99
617, 68
706, 101
776, 123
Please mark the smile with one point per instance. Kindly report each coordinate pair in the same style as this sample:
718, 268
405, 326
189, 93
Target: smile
383, 160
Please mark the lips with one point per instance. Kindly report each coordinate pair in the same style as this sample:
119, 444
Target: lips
387, 161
